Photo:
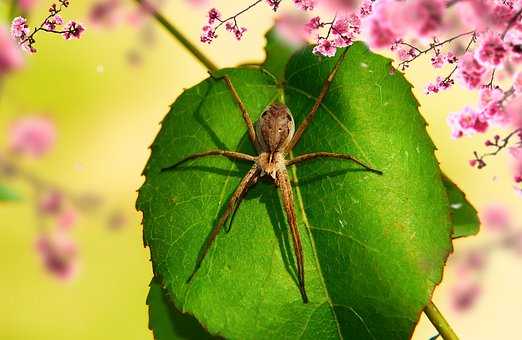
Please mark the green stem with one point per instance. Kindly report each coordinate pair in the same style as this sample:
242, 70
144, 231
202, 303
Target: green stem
437, 319
179, 36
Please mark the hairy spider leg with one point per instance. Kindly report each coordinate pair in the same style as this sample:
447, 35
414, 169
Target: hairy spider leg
283, 183
311, 115
229, 154
315, 155
241, 189
242, 108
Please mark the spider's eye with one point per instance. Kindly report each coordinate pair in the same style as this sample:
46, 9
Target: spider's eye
264, 114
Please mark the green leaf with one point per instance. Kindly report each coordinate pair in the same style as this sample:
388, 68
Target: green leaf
167, 322
278, 52
7, 194
462, 214
374, 246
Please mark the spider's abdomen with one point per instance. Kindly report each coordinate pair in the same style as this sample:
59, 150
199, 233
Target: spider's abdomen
275, 128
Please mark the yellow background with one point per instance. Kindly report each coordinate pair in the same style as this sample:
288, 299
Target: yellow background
108, 112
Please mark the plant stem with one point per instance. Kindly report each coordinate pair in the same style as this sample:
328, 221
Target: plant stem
437, 319
179, 36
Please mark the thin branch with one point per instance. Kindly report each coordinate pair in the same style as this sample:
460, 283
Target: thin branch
439, 322
179, 36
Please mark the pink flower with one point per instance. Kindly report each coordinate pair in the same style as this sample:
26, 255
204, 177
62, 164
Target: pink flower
53, 22
73, 30
489, 95
466, 122
305, 5
26, 5
292, 28
10, 56
366, 8
325, 47
440, 84
67, 219
208, 34
438, 60
58, 255
340, 5
51, 202
33, 136
473, 261
105, 13
470, 72
496, 218
19, 28
514, 111
238, 32
274, 4
313, 24
464, 295
380, 34
213, 15
492, 50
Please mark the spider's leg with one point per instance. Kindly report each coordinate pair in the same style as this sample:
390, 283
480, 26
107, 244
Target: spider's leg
229, 154
236, 206
242, 108
311, 115
237, 195
315, 155
283, 182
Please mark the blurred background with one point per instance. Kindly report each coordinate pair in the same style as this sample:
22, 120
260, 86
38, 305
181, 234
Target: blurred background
106, 95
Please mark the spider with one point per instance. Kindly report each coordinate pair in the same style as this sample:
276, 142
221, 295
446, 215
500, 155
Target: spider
274, 136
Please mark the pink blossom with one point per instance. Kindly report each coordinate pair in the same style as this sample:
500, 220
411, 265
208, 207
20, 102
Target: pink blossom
305, 5
213, 15
325, 47
339, 5
380, 34
51, 202
53, 22
470, 72
292, 28
473, 261
313, 24
58, 254
496, 218
105, 13
10, 56
26, 5
438, 60
73, 30
366, 8
464, 295
238, 32
440, 84
466, 122
489, 95
514, 111
67, 219
19, 28
274, 4
33, 136
208, 34
492, 50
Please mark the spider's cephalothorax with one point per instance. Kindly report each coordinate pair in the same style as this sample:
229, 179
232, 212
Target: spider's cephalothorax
274, 131
274, 138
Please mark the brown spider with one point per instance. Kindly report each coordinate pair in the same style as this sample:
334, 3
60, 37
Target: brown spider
273, 137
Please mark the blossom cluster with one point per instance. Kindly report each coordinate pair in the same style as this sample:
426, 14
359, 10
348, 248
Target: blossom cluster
472, 265
57, 209
53, 23
477, 44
